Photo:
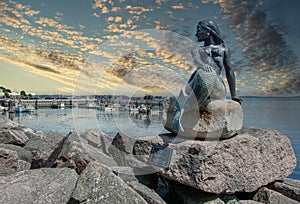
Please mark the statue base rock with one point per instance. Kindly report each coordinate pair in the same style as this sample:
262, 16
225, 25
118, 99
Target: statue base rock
214, 119
244, 163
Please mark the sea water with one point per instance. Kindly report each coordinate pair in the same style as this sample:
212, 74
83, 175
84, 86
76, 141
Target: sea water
282, 114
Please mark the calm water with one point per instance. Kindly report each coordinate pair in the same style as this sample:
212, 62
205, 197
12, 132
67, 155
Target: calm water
282, 114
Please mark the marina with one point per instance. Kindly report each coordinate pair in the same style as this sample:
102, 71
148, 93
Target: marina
137, 104
81, 119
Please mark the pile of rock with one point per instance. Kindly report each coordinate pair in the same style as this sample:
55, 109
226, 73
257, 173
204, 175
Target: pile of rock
39, 167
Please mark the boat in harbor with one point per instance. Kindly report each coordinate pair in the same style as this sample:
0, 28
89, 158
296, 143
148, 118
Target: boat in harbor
108, 109
29, 109
132, 108
54, 104
116, 107
20, 109
62, 105
90, 105
112, 108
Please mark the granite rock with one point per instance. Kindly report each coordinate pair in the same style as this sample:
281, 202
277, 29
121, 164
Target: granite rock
244, 163
189, 195
98, 184
243, 202
213, 120
288, 187
266, 195
8, 161
8, 125
216, 201
148, 194
144, 176
13, 159
45, 148
121, 150
98, 139
143, 183
76, 153
15, 137
23, 154
46, 185
23, 165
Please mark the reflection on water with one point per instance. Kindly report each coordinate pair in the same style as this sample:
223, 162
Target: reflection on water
66, 120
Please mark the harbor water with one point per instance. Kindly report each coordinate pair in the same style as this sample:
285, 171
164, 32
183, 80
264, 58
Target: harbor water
282, 114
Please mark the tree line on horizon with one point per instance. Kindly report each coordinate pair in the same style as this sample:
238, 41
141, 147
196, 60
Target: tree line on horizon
7, 93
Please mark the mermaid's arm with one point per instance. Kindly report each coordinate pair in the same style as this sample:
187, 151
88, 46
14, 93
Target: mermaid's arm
230, 76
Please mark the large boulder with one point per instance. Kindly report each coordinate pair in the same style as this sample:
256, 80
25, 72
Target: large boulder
16, 128
98, 184
141, 175
8, 161
45, 148
13, 158
98, 139
266, 195
142, 184
121, 150
15, 137
9, 125
244, 163
213, 119
216, 201
76, 153
189, 195
148, 194
288, 187
38, 186
23, 154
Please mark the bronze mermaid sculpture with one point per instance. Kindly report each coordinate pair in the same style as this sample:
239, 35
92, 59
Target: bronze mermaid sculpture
206, 82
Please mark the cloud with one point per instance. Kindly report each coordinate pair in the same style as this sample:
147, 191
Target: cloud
265, 47
145, 60
46, 45
43, 68
179, 7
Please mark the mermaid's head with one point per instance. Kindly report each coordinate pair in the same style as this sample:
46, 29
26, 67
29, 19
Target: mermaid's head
207, 28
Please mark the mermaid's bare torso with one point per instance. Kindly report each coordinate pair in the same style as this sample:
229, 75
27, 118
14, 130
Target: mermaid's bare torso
206, 81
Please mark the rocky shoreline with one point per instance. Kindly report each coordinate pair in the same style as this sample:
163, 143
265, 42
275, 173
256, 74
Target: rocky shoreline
38, 167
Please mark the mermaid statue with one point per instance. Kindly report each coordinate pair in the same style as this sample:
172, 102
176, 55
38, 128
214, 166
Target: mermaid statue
206, 82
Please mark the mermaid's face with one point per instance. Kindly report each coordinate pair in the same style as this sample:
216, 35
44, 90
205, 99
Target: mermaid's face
201, 33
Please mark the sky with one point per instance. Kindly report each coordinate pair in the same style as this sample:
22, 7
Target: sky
142, 47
